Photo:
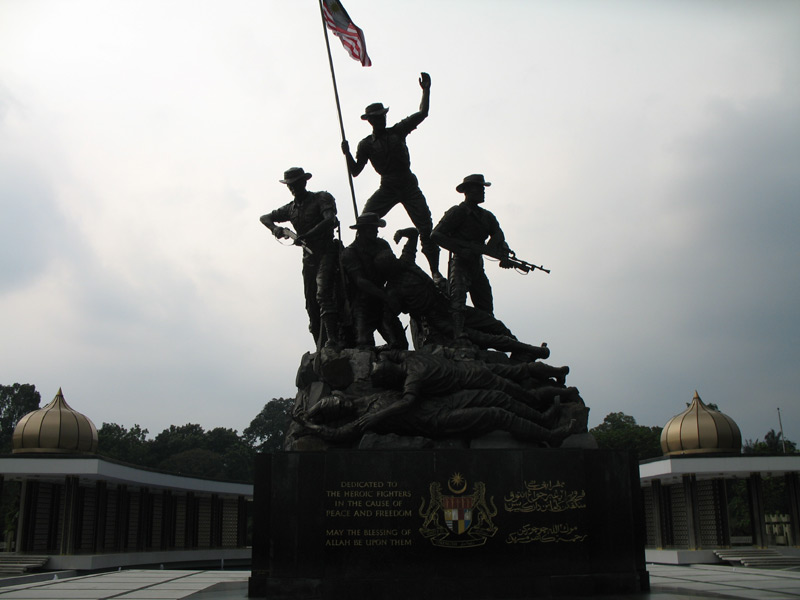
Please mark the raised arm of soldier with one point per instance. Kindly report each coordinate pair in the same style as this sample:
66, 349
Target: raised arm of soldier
409, 253
425, 103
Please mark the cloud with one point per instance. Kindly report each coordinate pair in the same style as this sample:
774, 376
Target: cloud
31, 225
26, 201
715, 286
652, 170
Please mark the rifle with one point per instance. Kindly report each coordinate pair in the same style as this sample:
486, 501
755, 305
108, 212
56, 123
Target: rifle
522, 265
509, 260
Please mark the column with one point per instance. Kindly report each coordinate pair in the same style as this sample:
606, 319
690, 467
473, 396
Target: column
167, 520
54, 515
123, 519
793, 491
215, 536
692, 513
191, 521
754, 488
722, 512
70, 520
241, 523
658, 514
144, 534
101, 510
27, 511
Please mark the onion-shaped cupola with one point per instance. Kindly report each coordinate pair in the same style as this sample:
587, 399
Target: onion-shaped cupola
701, 430
55, 428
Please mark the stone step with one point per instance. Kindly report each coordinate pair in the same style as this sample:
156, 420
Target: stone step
18, 564
763, 558
25, 558
748, 552
783, 560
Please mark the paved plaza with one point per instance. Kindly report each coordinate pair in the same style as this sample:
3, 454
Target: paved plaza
719, 581
668, 583
136, 584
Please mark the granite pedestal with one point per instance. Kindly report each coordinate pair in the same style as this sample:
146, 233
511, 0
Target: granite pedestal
444, 524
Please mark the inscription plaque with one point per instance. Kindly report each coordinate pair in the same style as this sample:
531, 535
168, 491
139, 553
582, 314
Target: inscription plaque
447, 524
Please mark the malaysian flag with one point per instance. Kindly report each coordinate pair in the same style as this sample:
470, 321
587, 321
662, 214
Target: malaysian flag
342, 26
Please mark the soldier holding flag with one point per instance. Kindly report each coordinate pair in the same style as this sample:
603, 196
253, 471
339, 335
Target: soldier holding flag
386, 149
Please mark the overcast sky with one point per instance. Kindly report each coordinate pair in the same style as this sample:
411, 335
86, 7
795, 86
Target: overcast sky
648, 153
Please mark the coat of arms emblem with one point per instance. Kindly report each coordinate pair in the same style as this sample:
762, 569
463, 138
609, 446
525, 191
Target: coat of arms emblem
459, 520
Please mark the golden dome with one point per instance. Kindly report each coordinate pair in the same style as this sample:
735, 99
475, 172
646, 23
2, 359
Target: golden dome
700, 430
55, 428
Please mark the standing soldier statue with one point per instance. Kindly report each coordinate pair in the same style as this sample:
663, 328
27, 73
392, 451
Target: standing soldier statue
313, 216
463, 230
386, 149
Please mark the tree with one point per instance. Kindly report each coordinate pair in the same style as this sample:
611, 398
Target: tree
772, 444
236, 453
238, 462
128, 445
267, 431
16, 401
220, 439
175, 440
196, 462
619, 431
186, 448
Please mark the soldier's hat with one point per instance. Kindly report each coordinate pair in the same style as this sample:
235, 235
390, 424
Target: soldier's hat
374, 110
294, 174
472, 179
368, 220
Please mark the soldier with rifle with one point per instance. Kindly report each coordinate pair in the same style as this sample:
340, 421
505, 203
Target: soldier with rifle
469, 231
313, 215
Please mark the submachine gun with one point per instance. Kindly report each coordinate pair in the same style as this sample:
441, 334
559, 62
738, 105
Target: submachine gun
288, 233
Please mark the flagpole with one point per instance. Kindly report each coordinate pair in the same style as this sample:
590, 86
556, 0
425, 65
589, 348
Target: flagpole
783, 439
338, 106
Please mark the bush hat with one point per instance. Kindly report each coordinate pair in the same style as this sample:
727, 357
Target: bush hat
294, 174
470, 180
368, 220
374, 110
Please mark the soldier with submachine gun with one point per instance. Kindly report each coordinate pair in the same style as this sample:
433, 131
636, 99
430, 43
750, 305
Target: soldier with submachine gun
313, 215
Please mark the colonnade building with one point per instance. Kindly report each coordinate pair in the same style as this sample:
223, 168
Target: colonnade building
87, 512
704, 497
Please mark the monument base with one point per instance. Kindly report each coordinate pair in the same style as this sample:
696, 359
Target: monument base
467, 524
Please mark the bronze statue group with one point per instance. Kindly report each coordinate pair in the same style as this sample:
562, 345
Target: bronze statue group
451, 384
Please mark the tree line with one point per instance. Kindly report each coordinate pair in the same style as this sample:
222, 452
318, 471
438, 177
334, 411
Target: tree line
619, 431
191, 450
